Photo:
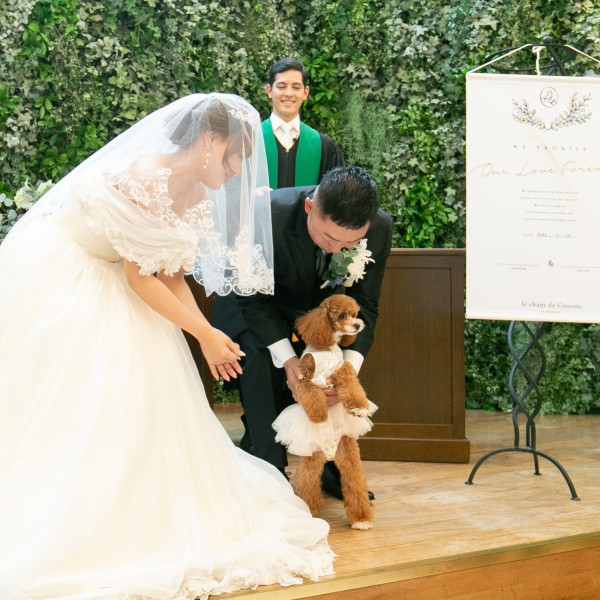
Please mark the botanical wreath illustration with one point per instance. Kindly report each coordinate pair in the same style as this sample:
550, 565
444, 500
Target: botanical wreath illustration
576, 114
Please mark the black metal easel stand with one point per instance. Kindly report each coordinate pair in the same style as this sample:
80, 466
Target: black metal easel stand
521, 404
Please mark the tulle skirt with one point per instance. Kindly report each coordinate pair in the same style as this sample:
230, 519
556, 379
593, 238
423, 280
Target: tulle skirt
303, 437
116, 479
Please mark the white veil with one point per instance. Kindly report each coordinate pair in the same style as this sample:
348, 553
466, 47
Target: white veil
197, 171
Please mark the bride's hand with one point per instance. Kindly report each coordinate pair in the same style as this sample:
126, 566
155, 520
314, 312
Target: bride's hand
222, 355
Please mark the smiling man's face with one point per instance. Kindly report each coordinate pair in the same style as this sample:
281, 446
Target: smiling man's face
287, 93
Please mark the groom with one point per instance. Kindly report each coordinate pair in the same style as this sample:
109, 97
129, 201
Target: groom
309, 224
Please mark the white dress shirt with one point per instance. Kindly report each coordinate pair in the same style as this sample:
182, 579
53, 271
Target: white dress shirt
285, 132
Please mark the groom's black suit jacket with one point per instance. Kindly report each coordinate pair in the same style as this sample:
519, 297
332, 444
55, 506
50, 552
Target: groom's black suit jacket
297, 286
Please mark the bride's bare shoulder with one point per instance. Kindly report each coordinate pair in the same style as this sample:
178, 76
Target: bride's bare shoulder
145, 164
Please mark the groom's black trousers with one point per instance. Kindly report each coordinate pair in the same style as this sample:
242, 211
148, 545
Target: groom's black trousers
264, 394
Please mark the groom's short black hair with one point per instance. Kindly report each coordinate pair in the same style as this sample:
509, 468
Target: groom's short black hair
348, 196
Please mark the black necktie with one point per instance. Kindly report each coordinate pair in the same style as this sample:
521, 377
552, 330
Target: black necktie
320, 262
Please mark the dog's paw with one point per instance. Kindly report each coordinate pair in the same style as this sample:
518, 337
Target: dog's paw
362, 525
359, 412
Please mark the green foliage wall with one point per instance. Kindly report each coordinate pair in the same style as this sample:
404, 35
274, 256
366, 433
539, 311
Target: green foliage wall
387, 83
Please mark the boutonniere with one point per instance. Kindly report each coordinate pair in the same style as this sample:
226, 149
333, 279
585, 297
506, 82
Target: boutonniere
347, 266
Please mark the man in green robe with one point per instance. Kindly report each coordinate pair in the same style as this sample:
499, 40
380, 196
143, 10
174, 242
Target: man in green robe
296, 153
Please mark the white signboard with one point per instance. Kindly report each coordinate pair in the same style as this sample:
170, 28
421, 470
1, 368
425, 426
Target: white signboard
533, 198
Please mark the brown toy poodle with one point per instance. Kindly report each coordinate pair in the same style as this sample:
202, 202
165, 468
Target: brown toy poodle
330, 433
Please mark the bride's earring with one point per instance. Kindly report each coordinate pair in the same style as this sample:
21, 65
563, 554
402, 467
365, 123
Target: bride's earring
209, 141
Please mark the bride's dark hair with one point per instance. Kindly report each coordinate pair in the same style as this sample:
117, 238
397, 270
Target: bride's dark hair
211, 114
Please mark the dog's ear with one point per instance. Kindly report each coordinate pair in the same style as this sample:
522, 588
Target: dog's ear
314, 328
347, 340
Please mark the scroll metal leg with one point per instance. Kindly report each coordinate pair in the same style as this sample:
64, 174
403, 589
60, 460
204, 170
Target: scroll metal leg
522, 405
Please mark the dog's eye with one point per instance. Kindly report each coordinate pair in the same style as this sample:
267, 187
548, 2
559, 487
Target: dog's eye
341, 317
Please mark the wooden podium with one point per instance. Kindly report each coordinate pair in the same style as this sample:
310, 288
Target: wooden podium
415, 369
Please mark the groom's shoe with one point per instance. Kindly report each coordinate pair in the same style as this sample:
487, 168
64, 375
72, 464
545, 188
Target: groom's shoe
331, 484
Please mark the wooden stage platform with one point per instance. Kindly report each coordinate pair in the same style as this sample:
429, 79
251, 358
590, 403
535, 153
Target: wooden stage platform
509, 535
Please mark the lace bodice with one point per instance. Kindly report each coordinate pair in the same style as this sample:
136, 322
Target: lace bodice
137, 225
138, 220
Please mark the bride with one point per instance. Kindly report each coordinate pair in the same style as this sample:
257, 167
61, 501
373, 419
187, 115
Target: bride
117, 482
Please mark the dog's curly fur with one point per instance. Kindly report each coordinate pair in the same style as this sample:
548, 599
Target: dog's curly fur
333, 322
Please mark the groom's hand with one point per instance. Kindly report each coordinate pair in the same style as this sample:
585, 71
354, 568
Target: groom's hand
293, 374
330, 392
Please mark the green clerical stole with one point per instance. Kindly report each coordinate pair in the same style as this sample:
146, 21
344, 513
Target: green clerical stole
308, 157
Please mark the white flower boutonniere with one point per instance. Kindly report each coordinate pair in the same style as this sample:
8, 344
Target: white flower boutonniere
347, 266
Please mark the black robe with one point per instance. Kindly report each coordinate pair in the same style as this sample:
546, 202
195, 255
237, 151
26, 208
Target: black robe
331, 156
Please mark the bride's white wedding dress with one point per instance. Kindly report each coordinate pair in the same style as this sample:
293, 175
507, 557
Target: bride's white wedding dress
117, 482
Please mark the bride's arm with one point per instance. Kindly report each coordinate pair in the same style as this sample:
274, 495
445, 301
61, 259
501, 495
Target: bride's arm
171, 297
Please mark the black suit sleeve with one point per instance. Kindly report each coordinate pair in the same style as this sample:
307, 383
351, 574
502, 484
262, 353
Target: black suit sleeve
264, 320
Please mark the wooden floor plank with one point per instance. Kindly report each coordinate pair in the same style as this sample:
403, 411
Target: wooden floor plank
426, 515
